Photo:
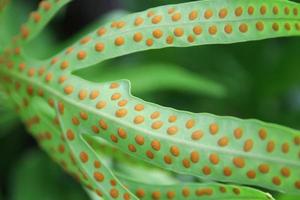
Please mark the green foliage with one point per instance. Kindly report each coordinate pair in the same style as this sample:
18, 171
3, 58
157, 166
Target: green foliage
28, 182
69, 115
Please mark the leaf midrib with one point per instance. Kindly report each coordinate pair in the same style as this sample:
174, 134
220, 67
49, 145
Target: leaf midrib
145, 131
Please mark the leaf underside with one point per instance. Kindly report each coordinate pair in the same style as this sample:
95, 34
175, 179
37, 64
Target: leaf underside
60, 109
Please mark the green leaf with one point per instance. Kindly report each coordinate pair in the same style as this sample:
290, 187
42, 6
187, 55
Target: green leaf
195, 191
40, 18
60, 108
36, 177
149, 183
159, 77
189, 24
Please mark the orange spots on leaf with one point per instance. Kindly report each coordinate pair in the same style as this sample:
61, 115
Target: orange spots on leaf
168, 159
263, 168
214, 158
138, 119
176, 17
138, 37
156, 195
81, 55
139, 107
297, 140
238, 133
103, 124
123, 102
190, 123
170, 39
157, 33
186, 163
295, 11
243, 28
155, 115
250, 10
248, 145
223, 142
206, 170
138, 21
114, 193
101, 31
197, 135
263, 10
227, 171
45, 5
140, 193
174, 151
82, 94
172, 130
62, 79
84, 157
99, 46
122, 133
85, 40
270, 146
194, 156
115, 139
155, 144
297, 185
99, 177
185, 192
84, 115
139, 140
156, 19
149, 42
36, 17
223, 13
275, 26
276, 180
119, 41
149, 154
94, 94
285, 171
287, 26
193, 15
251, 174
116, 96
239, 162
172, 118
157, 125
260, 26
228, 28
121, 112
286, 10
178, 32
213, 128
208, 14
64, 65
197, 30
238, 11
285, 147
68, 89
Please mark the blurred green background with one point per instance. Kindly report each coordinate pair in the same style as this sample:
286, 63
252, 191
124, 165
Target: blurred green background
248, 80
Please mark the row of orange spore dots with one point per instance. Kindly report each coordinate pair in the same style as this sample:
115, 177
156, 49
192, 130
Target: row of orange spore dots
172, 130
157, 124
37, 16
186, 192
152, 17
79, 119
59, 150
